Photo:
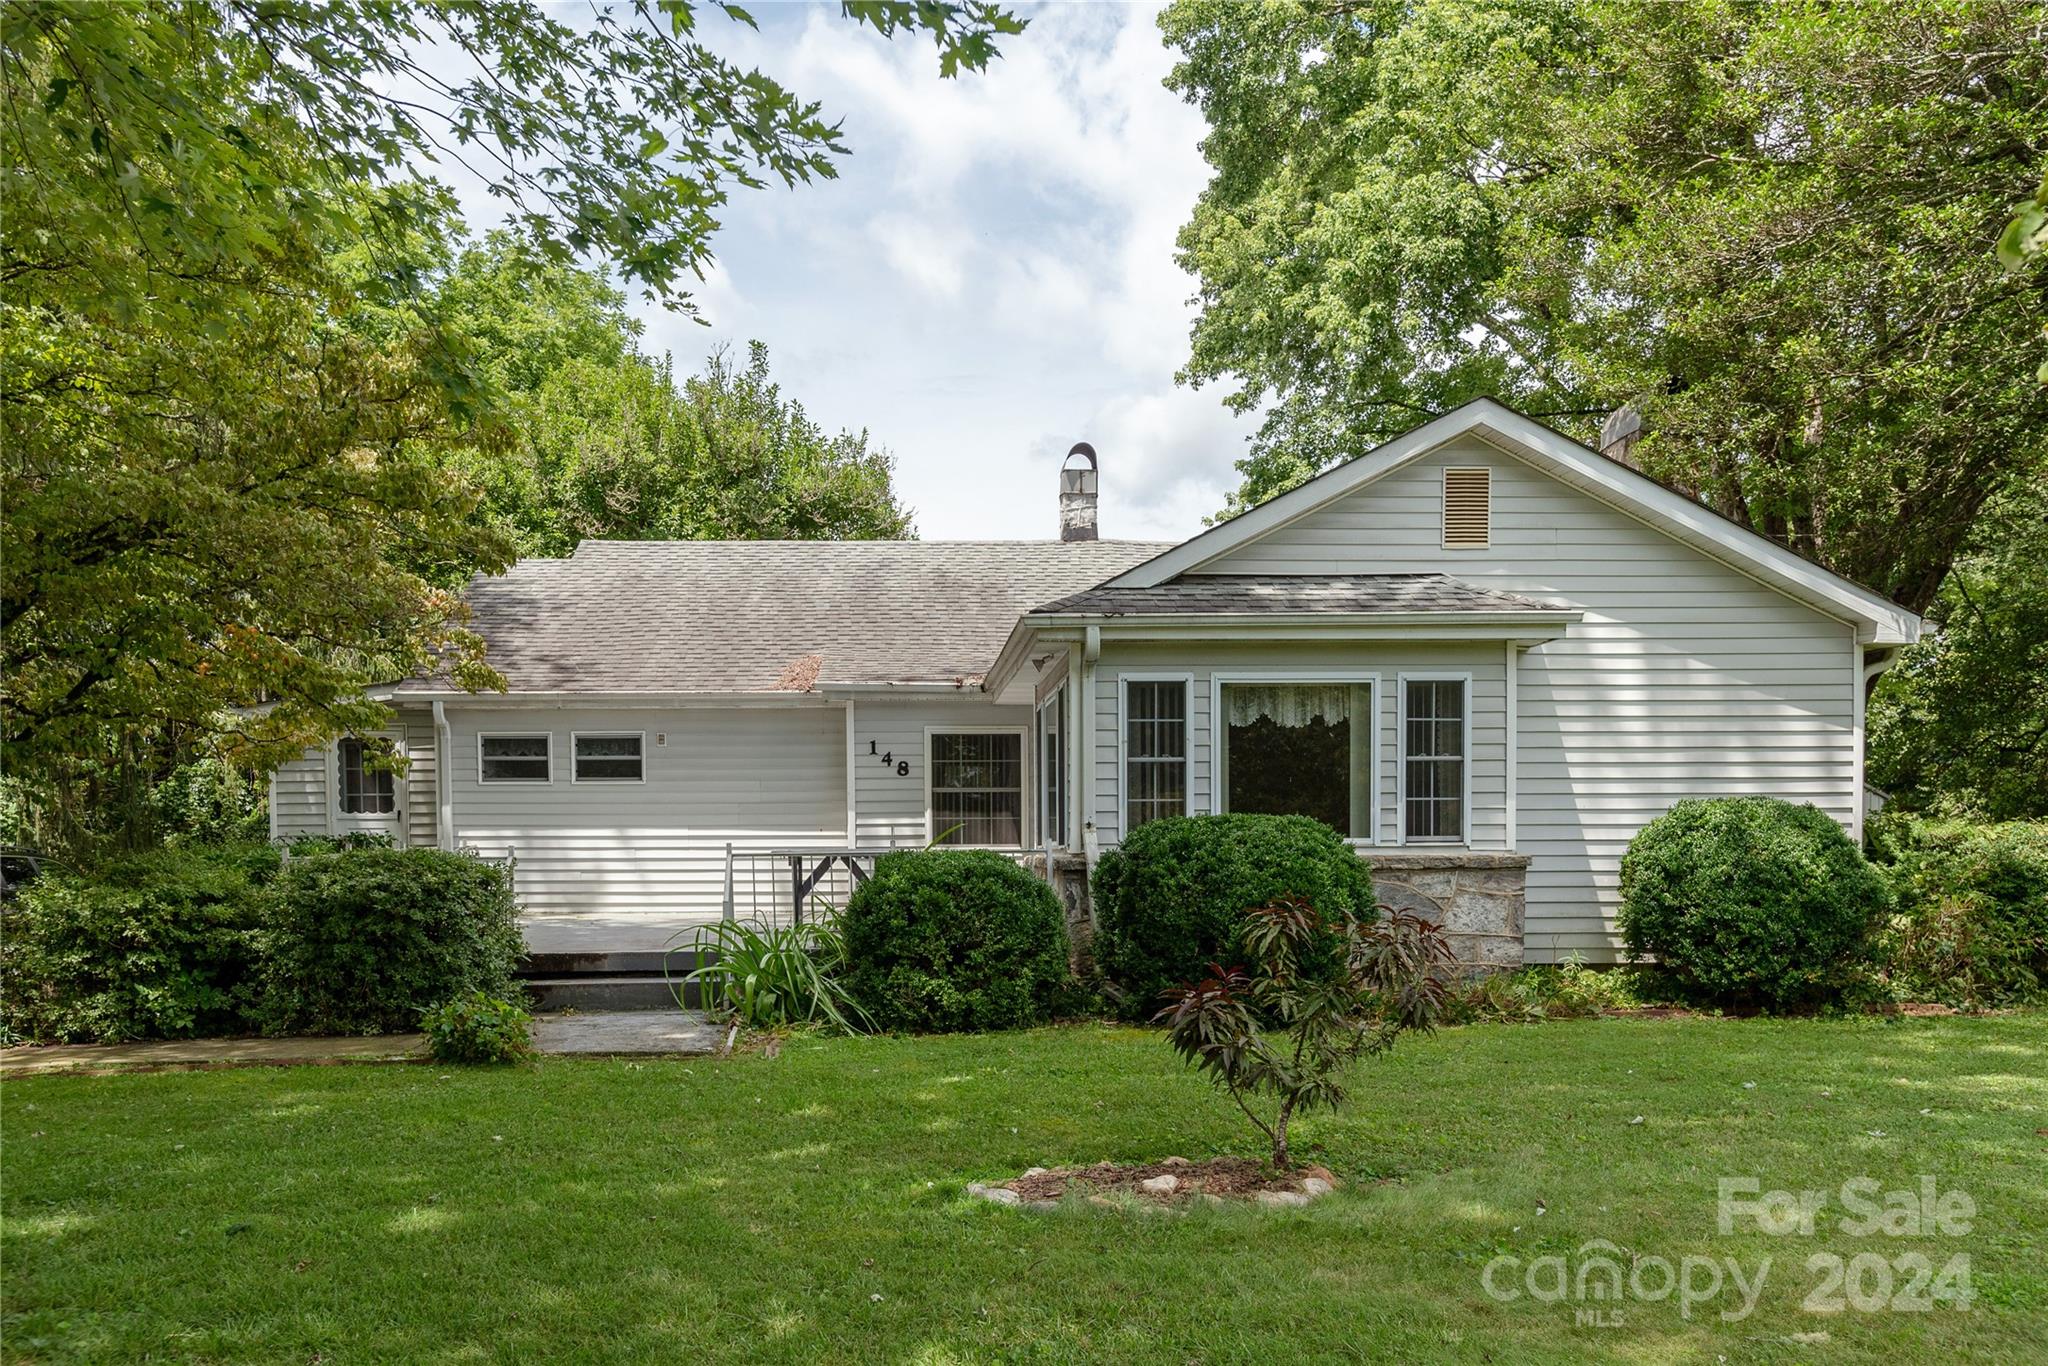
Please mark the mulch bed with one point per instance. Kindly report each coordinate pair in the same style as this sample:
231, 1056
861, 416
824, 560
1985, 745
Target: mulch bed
1228, 1178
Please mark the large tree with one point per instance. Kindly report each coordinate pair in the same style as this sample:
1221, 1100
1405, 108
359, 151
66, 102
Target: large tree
1768, 226
605, 442
226, 477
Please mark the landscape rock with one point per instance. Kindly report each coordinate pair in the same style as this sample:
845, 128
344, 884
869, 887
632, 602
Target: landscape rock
1036, 1171
1175, 1162
1313, 1186
1001, 1195
1282, 1199
1160, 1185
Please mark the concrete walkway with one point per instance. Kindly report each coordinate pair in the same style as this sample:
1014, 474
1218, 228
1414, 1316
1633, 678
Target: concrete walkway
188, 1054
628, 1033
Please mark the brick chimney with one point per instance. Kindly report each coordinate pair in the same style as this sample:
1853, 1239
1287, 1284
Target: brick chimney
1077, 495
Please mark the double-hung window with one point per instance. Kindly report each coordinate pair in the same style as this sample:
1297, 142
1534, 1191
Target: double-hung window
1434, 736
514, 759
1299, 749
977, 787
1155, 750
617, 758
1052, 770
366, 790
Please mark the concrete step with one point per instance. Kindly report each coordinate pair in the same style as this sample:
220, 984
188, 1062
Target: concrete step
623, 963
594, 995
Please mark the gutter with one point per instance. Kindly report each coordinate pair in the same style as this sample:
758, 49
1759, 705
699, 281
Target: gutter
444, 786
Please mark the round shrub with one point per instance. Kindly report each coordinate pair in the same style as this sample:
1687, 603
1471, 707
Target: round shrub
160, 945
1171, 899
954, 939
362, 940
1750, 902
478, 1028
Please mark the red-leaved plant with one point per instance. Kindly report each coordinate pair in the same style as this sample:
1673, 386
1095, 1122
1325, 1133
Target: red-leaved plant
1287, 1022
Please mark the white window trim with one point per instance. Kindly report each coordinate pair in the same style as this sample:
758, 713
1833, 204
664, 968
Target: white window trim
1219, 791
576, 735
1123, 745
1024, 778
484, 735
1464, 839
342, 822
1056, 705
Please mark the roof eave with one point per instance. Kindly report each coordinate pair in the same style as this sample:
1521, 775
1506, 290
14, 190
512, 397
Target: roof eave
1878, 620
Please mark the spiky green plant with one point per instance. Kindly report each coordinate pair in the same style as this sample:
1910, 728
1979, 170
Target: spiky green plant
767, 977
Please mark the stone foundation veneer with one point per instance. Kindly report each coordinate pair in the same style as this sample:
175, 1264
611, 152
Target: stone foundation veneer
1477, 898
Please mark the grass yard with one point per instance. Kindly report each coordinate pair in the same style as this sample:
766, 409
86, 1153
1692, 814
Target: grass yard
809, 1207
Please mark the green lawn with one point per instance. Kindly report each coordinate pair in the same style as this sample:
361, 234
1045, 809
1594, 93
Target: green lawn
809, 1206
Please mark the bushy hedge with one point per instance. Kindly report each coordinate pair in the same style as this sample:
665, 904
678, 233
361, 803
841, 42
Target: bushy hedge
1170, 900
1972, 922
363, 940
156, 946
954, 939
478, 1028
1751, 902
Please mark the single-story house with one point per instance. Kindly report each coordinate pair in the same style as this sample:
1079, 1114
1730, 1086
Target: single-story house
1486, 653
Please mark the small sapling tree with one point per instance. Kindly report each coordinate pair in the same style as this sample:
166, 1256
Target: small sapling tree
1286, 1024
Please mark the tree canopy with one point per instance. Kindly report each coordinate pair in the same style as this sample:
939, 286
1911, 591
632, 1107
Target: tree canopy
234, 432
1769, 227
606, 442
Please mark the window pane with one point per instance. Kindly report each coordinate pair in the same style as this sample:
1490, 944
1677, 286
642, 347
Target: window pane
366, 791
515, 758
1052, 769
1434, 775
608, 758
1155, 751
978, 789
1300, 750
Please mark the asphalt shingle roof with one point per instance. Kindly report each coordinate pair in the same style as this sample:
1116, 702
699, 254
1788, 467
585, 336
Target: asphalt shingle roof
749, 616
1298, 593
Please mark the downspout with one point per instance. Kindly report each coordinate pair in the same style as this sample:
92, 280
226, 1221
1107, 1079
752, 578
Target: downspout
1091, 650
444, 786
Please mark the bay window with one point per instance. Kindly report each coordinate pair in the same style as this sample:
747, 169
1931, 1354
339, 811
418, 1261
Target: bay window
1433, 760
1155, 750
1299, 749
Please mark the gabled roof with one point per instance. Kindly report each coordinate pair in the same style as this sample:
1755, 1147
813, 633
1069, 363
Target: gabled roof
689, 617
1298, 594
1878, 620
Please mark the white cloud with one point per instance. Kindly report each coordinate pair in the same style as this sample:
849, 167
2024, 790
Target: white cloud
991, 277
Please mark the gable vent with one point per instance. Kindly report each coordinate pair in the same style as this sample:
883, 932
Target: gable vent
1468, 508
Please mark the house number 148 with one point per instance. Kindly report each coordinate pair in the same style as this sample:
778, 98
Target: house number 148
902, 765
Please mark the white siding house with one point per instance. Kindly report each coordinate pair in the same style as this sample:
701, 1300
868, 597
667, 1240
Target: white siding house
1479, 645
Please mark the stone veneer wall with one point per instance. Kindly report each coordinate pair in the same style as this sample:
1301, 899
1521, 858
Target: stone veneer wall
1477, 898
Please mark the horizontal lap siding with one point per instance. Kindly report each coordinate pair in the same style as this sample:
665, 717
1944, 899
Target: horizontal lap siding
1686, 678
298, 797
420, 796
890, 806
759, 778
1486, 710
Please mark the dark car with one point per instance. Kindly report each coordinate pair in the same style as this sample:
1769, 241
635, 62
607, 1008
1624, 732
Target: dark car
18, 868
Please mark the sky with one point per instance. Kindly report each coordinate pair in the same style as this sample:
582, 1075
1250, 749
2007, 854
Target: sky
990, 279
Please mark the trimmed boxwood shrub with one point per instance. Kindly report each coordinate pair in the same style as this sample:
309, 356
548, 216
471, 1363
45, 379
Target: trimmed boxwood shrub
1972, 927
363, 940
1170, 900
954, 939
1751, 902
160, 945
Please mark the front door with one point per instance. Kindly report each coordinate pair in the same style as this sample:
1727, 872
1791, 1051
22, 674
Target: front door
369, 796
